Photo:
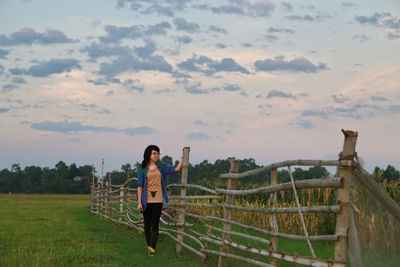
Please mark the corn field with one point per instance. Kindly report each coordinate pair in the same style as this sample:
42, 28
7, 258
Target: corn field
377, 225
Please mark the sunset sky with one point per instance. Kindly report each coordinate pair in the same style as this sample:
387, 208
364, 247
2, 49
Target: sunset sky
271, 80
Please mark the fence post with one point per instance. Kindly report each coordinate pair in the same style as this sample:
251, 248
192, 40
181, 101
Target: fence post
101, 204
109, 195
272, 218
97, 197
343, 195
121, 202
181, 215
230, 200
209, 230
92, 190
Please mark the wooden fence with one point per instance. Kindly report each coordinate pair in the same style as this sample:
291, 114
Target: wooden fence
118, 203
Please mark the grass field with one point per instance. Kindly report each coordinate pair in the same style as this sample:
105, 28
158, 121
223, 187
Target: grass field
58, 230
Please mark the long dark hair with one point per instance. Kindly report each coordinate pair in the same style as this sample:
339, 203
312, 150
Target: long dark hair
147, 154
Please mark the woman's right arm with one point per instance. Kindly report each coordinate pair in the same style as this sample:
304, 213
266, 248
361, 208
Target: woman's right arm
139, 195
140, 189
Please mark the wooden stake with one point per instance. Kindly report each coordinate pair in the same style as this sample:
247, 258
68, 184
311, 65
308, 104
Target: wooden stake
272, 218
343, 196
102, 170
230, 200
181, 215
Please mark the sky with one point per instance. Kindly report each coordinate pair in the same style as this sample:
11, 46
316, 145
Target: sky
271, 80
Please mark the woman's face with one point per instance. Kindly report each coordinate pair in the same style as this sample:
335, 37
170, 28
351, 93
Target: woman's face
154, 156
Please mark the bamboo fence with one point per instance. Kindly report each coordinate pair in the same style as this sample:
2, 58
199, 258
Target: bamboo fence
118, 204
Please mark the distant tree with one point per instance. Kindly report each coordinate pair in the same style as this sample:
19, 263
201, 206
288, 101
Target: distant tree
15, 168
167, 160
62, 170
73, 171
32, 179
390, 173
126, 167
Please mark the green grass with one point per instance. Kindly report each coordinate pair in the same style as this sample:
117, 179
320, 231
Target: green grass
58, 230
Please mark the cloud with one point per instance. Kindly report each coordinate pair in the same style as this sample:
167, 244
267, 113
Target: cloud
378, 98
3, 53
217, 29
280, 30
232, 87
395, 108
146, 51
348, 4
158, 29
96, 51
361, 38
4, 110
339, 100
130, 85
300, 18
18, 80
373, 19
305, 124
92, 105
114, 34
195, 88
300, 64
276, 93
182, 25
132, 63
9, 87
221, 46
75, 126
390, 24
1, 69
126, 59
208, 66
105, 111
104, 81
392, 36
261, 8
28, 36
184, 39
315, 113
139, 131
200, 122
355, 111
227, 64
265, 110
163, 91
200, 136
287, 6
160, 10
271, 38
46, 68
99, 81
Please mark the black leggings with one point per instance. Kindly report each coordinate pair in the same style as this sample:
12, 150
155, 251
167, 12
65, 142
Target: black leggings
151, 217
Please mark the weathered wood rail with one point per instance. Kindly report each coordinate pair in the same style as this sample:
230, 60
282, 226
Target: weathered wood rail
118, 204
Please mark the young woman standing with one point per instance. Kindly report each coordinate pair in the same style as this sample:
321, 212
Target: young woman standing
152, 191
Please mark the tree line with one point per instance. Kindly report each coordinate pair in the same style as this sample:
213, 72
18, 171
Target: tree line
60, 179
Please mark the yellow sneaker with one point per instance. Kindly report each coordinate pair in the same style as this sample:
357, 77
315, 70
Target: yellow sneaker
151, 250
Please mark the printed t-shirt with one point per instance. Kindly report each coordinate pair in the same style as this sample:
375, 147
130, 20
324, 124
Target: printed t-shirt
154, 189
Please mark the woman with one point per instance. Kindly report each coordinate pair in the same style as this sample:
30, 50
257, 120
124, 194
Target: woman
151, 192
